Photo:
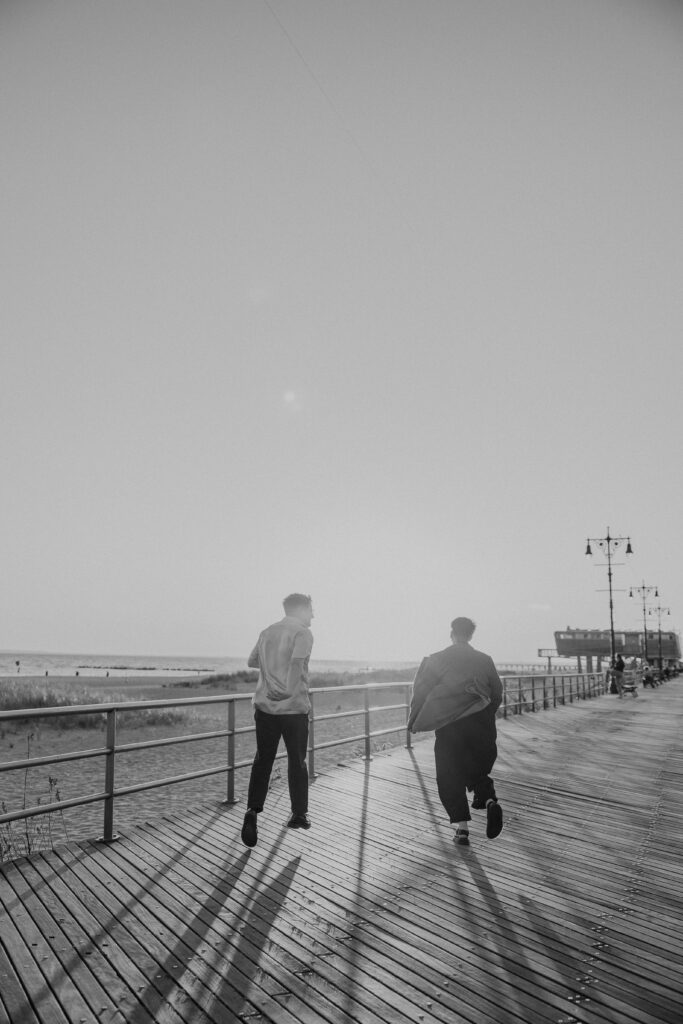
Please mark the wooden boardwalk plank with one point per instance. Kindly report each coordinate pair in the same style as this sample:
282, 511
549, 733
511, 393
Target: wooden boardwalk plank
572, 916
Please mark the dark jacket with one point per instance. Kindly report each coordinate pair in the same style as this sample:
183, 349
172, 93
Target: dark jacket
452, 684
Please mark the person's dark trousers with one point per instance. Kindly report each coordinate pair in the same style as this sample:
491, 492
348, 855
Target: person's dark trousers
465, 752
270, 729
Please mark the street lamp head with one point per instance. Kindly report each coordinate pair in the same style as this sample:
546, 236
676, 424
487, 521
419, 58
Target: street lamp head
656, 592
588, 548
630, 593
629, 549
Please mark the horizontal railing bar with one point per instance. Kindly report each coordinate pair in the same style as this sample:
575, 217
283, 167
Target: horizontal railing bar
347, 687
168, 741
118, 705
37, 762
385, 732
56, 805
188, 777
338, 714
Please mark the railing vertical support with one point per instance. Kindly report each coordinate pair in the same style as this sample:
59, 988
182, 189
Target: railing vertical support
533, 693
519, 695
366, 719
554, 692
108, 835
505, 698
409, 736
231, 798
311, 737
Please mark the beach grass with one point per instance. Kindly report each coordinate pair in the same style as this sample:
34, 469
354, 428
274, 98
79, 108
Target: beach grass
26, 694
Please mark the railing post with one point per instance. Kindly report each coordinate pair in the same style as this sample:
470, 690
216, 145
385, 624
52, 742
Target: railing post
505, 697
519, 695
554, 692
109, 776
562, 679
311, 738
366, 719
231, 798
533, 693
409, 735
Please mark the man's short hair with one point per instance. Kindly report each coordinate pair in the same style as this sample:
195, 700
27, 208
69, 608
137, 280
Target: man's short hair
463, 628
294, 601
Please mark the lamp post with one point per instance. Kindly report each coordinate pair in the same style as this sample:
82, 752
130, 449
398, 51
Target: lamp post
610, 545
644, 592
659, 611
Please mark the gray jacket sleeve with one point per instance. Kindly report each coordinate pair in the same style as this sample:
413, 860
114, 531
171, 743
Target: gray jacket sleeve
422, 684
495, 686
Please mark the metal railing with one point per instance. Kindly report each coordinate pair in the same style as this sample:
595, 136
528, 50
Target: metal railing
520, 694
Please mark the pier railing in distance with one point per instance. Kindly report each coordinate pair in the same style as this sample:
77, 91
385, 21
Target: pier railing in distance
524, 693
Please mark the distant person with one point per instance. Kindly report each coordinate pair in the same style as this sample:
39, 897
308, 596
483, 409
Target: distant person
281, 707
456, 693
619, 666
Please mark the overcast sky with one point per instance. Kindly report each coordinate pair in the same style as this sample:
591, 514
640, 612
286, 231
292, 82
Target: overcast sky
376, 299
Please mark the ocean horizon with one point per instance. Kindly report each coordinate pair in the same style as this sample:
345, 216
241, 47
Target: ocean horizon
41, 663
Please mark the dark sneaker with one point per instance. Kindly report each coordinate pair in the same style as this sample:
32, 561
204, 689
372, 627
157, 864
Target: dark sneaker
494, 820
249, 830
461, 837
299, 821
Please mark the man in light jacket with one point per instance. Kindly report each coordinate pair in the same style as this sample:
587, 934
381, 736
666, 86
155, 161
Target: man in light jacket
281, 707
456, 693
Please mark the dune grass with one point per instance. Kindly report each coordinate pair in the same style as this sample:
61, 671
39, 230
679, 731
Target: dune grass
25, 694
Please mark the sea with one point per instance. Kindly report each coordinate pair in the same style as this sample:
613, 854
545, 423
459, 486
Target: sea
40, 663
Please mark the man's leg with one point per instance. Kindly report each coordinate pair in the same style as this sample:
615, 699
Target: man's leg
268, 732
480, 742
295, 735
450, 772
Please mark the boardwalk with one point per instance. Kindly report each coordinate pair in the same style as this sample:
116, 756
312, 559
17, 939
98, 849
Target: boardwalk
572, 915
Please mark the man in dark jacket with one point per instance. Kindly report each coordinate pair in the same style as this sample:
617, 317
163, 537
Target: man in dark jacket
457, 692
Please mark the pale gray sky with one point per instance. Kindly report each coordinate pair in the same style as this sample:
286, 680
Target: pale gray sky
375, 299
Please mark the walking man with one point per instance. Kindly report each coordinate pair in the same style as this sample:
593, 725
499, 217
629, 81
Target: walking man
281, 707
456, 693
619, 666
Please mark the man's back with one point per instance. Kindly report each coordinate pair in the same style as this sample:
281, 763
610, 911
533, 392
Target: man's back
460, 663
277, 646
453, 683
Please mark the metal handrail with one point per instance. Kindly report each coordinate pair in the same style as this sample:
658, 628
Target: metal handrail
530, 692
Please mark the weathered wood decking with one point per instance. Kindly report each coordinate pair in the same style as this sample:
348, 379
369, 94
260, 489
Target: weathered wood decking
572, 914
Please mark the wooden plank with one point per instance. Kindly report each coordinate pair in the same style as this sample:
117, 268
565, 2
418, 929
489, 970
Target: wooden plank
169, 972
16, 940
14, 1002
116, 967
376, 909
251, 938
66, 970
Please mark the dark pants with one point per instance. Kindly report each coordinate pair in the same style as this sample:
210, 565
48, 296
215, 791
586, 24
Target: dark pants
465, 752
293, 729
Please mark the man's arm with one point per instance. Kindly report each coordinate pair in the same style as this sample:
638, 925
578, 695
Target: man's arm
496, 688
253, 660
422, 684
